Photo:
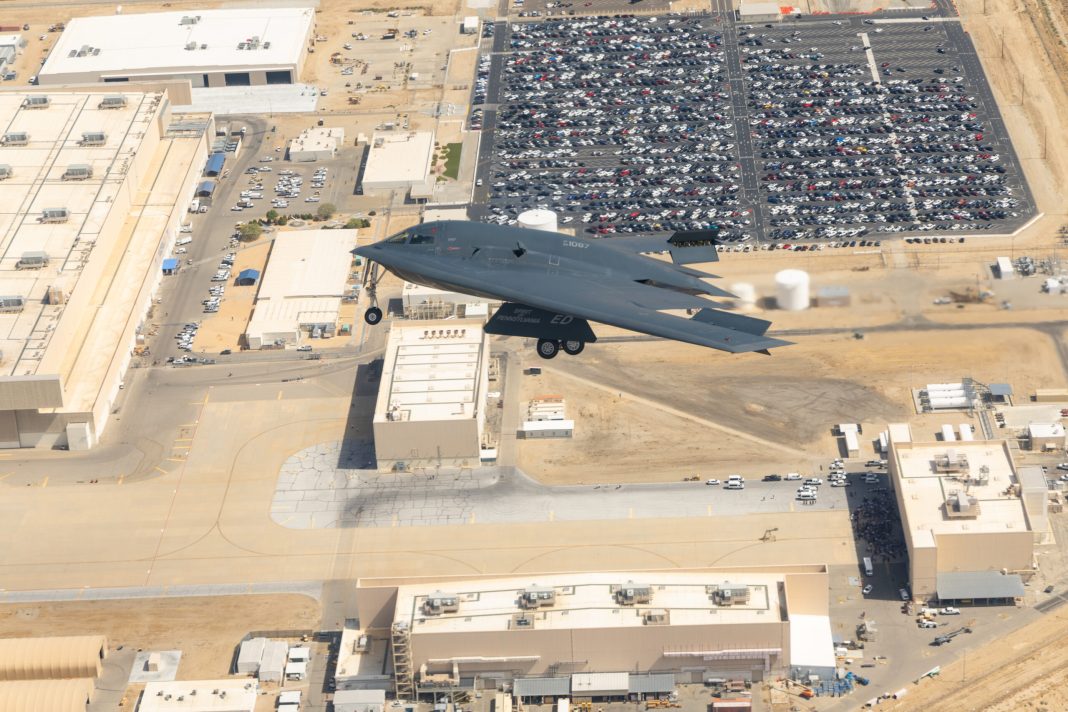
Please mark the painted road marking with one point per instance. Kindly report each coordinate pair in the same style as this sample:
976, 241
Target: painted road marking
45, 483
279, 395
552, 516
162, 470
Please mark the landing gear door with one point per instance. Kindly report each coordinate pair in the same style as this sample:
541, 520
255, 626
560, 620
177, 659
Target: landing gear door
521, 320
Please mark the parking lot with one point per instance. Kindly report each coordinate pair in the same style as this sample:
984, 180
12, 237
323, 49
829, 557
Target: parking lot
844, 130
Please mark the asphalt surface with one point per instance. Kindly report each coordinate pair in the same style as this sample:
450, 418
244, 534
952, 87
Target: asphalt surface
905, 50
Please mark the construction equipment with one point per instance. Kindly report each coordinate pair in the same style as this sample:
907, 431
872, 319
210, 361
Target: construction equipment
769, 535
948, 637
971, 295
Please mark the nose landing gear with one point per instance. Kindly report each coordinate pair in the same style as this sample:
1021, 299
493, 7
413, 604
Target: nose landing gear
373, 315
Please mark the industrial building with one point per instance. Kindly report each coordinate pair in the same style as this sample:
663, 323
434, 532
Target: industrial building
61, 657
970, 520
431, 408
600, 635
421, 302
316, 144
400, 161
97, 188
210, 48
226, 695
751, 11
1044, 437
302, 286
73, 695
9, 49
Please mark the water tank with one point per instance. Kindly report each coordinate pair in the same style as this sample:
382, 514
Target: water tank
538, 219
791, 289
745, 294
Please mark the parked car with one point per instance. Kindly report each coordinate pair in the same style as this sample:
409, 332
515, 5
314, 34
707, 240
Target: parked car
304, 347
949, 611
866, 590
772, 478
712, 481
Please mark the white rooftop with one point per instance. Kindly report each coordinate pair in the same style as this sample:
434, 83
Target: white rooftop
153, 43
308, 263
925, 491
432, 371
318, 139
200, 696
586, 601
811, 642
1045, 430
402, 157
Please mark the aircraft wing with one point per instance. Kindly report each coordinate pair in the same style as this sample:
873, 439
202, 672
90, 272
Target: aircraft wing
632, 306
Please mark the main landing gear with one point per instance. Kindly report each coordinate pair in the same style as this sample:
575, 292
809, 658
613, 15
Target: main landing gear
548, 348
373, 315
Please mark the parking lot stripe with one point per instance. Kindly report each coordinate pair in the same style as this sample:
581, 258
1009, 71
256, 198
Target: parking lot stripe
44, 483
279, 395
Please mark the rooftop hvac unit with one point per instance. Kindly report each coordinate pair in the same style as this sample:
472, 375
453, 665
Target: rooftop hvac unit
96, 51
203, 46
72, 53
5, 171
32, 260
655, 616
85, 49
16, 138
241, 45
630, 593
38, 101
190, 45
537, 597
439, 602
94, 138
266, 45
114, 101
189, 20
78, 171
11, 304
730, 594
55, 215
521, 621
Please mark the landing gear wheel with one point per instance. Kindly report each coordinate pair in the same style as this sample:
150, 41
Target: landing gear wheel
372, 316
548, 348
574, 348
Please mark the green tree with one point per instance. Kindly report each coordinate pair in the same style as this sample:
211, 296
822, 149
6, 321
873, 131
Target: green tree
250, 231
354, 223
326, 211
272, 216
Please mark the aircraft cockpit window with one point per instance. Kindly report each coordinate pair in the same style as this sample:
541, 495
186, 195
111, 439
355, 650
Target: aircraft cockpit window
418, 239
399, 239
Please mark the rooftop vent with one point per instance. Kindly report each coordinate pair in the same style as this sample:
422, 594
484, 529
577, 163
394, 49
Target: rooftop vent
94, 138
55, 215
440, 602
189, 20
114, 101
78, 171
630, 593
537, 597
32, 260
655, 616
960, 505
521, 621
5, 171
38, 101
16, 138
11, 304
190, 45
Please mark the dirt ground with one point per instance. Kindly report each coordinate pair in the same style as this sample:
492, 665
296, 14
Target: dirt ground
1031, 679
739, 410
206, 630
223, 330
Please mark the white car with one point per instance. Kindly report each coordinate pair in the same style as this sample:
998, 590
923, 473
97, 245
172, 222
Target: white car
1063, 466
305, 347
712, 481
949, 611
792, 476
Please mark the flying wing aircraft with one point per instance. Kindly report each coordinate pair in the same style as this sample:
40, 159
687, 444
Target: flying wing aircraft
553, 285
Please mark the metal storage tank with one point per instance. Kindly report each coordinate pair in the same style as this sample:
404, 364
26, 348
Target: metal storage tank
538, 219
791, 289
745, 295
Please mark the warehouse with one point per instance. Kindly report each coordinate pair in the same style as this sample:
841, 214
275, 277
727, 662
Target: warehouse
399, 161
317, 144
967, 516
52, 658
77, 216
302, 286
72, 695
211, 48
199, 696
9, 49
1044, 437
592, 634
431, 407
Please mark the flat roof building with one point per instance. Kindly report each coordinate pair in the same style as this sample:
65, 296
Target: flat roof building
962, 513
226, 695
399, 161
571, 632
302, 286
431, 408
84, 228
210, 48
316, 144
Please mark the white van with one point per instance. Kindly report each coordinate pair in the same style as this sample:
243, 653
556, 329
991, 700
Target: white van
808, 496
735, 478
735, 485
868, 569
195, 205
183, 241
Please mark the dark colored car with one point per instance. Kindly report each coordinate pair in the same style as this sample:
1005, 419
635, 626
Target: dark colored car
772, 478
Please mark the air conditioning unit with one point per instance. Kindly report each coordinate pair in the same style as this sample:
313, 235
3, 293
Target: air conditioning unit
38, 101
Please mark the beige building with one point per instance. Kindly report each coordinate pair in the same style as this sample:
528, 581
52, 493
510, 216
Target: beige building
72, 695
566, 634
61, 657
316, 144
400, 161
1045, 436
967, 517
210, 48
302, 287
431, 408
227, 695
97, 187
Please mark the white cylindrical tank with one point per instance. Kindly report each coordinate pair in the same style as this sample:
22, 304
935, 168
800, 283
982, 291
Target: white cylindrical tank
538, 219
791, 289
745, 294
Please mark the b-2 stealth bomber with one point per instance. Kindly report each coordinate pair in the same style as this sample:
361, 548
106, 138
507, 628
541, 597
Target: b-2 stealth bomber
552, 285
